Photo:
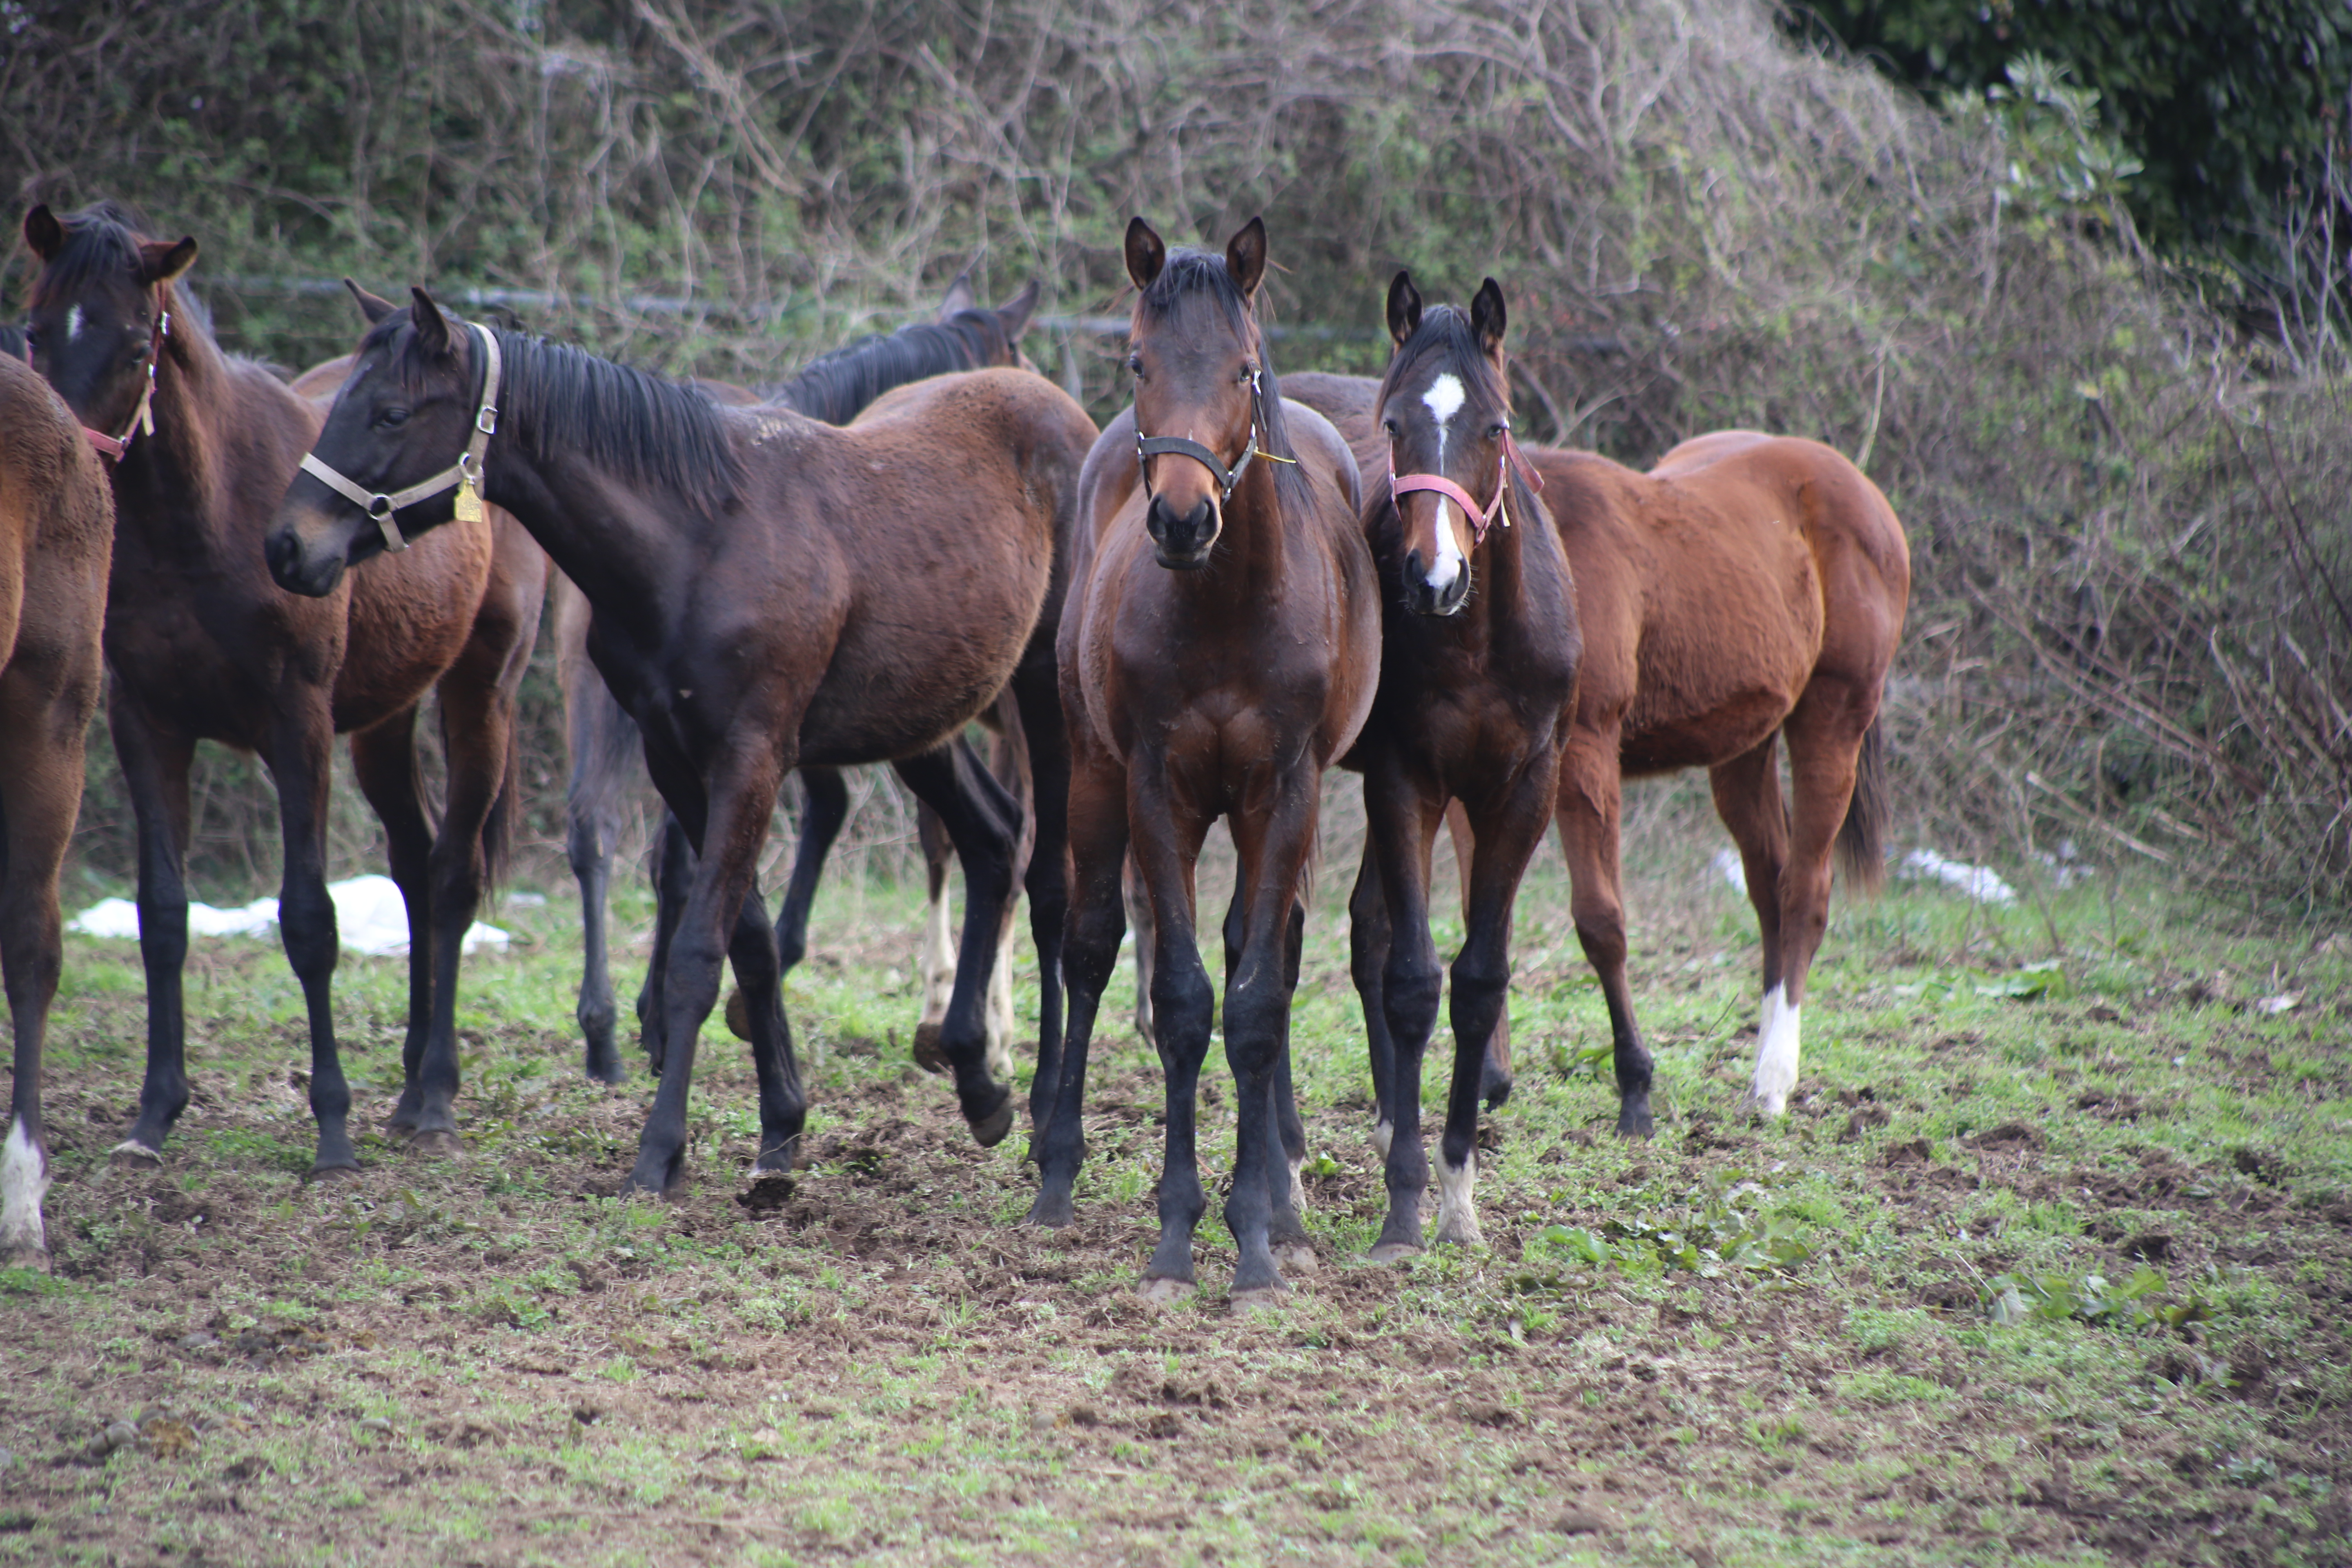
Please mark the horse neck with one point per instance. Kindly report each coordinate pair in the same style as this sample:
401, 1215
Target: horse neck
610, 536
179, 474
1254, 557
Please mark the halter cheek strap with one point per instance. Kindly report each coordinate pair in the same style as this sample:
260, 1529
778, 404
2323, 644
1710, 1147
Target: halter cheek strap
143, 417
1481, 518
467, 470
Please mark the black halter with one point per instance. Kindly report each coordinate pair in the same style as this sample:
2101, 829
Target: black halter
1184, 446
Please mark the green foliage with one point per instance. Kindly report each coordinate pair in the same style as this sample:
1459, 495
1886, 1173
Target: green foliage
1718, 1226
2011, 1299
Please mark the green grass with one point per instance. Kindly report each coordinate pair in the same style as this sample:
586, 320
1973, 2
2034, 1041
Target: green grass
2103, 1318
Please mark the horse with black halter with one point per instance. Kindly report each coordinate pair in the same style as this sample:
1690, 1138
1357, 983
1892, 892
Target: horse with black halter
1219, 650
1478, 663
606, 754
57, 531
768, 591
203, 646
1749, 588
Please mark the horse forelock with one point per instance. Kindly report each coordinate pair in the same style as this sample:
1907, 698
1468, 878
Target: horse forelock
1446, 338
102, 245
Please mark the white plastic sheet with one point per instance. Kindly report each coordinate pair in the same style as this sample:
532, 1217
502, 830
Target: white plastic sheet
369, 918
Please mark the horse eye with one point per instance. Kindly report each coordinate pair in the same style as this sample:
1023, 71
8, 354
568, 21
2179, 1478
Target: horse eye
393, 415
1135, 364
1390, 427
1496, 432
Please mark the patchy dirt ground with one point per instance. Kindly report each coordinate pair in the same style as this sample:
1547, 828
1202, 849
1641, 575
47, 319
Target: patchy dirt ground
2063, 1276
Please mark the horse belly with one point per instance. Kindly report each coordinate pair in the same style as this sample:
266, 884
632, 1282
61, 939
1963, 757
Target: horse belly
893, 689
1702, 738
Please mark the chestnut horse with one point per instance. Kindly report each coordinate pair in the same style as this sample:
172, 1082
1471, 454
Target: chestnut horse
1219, 650
768, 591
1749, 588
1478, 665
605, 752
202, 645
57, 531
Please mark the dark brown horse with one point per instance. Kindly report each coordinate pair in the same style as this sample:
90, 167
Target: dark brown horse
57, 530
1478, 663
202, 645
606, 752
1749, 588
1218, 651
768, 591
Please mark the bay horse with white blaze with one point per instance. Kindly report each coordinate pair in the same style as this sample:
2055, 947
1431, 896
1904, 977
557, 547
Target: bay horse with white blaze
57, 531
203, 646
768, 591
1749, 588
1219, 650
1478, 667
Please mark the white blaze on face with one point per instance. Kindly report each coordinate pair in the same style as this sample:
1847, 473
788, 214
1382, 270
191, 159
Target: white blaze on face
1443, 400
23, 1181
73, 323
1776, 1053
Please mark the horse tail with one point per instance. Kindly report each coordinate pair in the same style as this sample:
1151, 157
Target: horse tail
1861, 840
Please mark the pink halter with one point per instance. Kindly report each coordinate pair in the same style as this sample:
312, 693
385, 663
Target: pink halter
1481, 518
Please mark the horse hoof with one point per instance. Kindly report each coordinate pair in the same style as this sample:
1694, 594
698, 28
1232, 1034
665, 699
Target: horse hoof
739, 1014
1459, 1233
1393, 1251
1497, 1087
436, 1143
928, 1055
132, 1155
1636, 1120
323, 1173
1161, 1292
612, 1075
1297, 1257
1052, 1211
1263, 1298
990, 1131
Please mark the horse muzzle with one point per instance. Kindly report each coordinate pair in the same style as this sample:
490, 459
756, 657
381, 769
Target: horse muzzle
1424, 597
300, 559
1182, 543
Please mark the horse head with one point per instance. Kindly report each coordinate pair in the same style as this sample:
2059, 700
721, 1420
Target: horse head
99, 313
1445, 406
415, 403
1201, 389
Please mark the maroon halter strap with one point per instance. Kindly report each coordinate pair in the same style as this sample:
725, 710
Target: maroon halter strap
1481, 518
142, 417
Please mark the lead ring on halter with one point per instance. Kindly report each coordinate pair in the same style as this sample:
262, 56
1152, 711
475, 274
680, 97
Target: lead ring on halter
466, 471
1480, 518
1184, 446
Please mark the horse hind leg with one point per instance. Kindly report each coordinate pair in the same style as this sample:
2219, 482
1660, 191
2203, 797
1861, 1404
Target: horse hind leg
598, 730
824, 807
936, 959
1588, 815
384, 759
1138, 918
1748, 797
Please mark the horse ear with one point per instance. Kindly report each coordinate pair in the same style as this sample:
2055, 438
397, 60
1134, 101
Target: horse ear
375, 307
1486, 318
960, 297
160, 261
1015, 313
43, 233
1145, 253
1404, 308
432, 330
1245, 257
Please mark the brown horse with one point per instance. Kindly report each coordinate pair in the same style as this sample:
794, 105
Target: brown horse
1478, 665
604, 749
1749, 588
57, 530
1218, 651
202, 645
768, 591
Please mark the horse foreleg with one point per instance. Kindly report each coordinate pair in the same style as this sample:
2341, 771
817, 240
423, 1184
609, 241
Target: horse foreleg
758, 978
40, 790
1479, 985
1097, 921
155, 764
1402, 813
1368, 956
384, 759
978, 818
299, 762
672, 871
1271, 844
1588, 811
727, 817
1043, 756
1495, 1080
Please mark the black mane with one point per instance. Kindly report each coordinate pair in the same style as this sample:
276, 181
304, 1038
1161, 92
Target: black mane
559, 401
835, 388
1191, 279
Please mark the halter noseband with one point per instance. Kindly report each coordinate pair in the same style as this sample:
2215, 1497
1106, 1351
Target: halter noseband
143, 417
1147, 446
465, 471
1481, 518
